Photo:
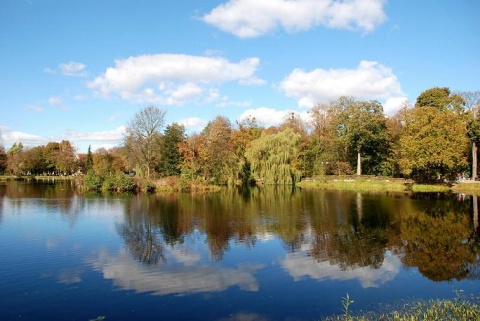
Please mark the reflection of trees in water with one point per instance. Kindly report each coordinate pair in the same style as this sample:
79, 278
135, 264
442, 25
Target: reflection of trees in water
347, 229
55, 195
359, 236
143, 241
442, 246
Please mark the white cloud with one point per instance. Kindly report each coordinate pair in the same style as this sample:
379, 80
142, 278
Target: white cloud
109, 136
300, 265
253, 18
172, 79
394, 104
28, 140
271, 117
370, 80
72, 68
132, 275
193, 123
55, 101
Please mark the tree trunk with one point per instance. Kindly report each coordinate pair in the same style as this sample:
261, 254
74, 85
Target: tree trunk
474, 161
359, 163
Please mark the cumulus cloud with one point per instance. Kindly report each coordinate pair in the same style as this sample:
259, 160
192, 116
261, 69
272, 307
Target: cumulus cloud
194, 123
28, 140
370, 80
127, 273
55, 101
110, 136
72, 68
271, 117
172, 79
300, 265
253, 18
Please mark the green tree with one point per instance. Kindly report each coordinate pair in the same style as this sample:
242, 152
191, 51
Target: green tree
89, 159
3, 156
361, 126
34, 160
441, 98
143, 138
173, 135
274, 157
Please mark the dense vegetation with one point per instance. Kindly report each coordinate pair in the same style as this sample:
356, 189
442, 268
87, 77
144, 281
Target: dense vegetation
433, 140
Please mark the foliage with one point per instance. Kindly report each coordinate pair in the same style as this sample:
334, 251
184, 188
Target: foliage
441, 99
91, 182
437, 239
434, 144
274, 158
171, 159
361, 127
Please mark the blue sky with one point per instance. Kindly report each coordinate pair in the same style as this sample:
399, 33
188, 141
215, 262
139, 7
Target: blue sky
80, 69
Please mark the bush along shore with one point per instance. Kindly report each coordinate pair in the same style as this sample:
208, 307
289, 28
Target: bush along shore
124, 183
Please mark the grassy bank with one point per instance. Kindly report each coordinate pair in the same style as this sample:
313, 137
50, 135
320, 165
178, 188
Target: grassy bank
382, 184
448, 310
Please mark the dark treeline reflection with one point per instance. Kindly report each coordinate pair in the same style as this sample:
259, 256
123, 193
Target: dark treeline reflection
438, 233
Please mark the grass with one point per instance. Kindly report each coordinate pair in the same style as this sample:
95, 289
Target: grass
437, 309
381, 185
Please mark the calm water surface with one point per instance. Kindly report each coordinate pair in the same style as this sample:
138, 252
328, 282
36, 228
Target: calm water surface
262, 254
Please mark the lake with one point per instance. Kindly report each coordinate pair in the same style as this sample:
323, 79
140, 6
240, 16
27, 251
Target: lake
257, 254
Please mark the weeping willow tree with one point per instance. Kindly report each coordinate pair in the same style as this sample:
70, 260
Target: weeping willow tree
273, 157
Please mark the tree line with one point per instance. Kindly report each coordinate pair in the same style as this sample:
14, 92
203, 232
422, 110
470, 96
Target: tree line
434, 139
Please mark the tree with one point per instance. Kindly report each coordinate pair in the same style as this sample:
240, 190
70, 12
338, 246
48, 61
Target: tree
361, 125
143, 137
89, 160
274, 157
3, 156
247, 130
472, 103
15, 159
65, 159
102, 162
434, 144
218, 152
441, 98
173, 135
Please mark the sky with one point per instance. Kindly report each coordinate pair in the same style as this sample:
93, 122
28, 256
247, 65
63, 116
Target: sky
79, 70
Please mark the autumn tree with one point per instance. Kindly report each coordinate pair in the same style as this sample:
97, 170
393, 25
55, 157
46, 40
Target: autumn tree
246, 131
143, 137
324, 150
65, 161
434, 144
15, 159
173, 135
217, 152
102, 162
274, 157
